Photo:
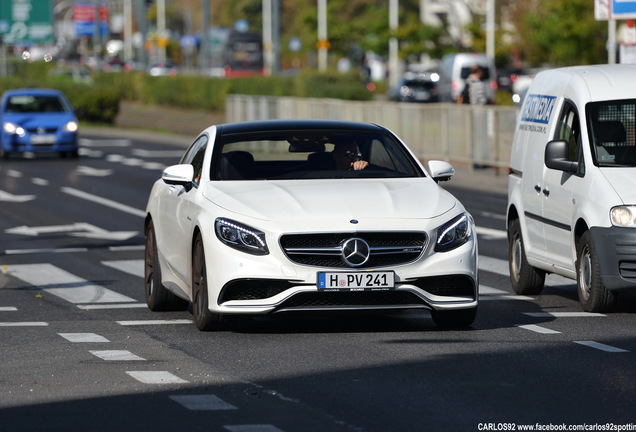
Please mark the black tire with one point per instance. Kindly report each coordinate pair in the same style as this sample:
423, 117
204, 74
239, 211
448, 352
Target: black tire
454, 318
525, 279
593, 295
204, 319
158, 298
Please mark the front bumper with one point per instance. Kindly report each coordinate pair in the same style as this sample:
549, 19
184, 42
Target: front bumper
38, 143
616, 252
439, 281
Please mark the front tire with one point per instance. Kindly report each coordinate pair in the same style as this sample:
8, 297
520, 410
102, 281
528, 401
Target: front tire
525, 279
158, 298
204, 319
593, 295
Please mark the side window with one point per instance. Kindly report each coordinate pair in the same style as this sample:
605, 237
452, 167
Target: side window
569, 129
194, 156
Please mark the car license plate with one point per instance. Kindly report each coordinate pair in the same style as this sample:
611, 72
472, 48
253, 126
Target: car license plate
42, 139
356, 281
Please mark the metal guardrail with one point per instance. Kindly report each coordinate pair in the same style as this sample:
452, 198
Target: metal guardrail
461, 134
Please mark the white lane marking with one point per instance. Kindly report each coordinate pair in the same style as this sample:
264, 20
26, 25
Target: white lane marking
505, 297
8, 308
24, 324
39, 181
77, 229
562, 314
202, 402
133, 267
156, 377
14, 173
88, 142
104, 201
126, 248
486, 290
84, 337
112, 306
65, 285
600, 346
537, 329
9, 197
493, 265
43, 250
158, 153
491, 234
154, 322
252, 428
93, 172
117, 355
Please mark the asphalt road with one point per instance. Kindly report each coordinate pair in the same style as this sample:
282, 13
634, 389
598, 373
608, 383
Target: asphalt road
80, 351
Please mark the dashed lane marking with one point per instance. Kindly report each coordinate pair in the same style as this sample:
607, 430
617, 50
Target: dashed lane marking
600, 346
8, 308
154, 322
112, 306
563, 314
104, 201
24, 324
156, 377
537, 329
203, 402
117, 355
84, 337
133, 267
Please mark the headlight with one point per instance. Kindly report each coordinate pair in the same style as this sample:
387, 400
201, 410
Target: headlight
12, 128
71, 126
241, 237
623, 216
454, 233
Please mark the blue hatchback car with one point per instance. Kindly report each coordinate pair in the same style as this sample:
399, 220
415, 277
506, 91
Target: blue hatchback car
37, 120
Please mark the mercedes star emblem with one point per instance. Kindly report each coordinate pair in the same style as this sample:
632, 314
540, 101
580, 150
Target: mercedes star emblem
355, 252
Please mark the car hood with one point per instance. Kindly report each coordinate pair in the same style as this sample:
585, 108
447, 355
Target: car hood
332, 199
622, 180
35, 120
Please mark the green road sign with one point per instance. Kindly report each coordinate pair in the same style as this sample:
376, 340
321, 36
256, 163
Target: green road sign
26, 21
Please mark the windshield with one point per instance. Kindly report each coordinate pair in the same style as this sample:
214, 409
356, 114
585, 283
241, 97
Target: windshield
611, 128
35, 104
311, 154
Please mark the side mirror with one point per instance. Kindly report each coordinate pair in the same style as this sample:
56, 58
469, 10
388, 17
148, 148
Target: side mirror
440, 170
556, 157
182, 175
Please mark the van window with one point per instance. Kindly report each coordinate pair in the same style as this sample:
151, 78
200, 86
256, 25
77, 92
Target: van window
569, 129
611, 127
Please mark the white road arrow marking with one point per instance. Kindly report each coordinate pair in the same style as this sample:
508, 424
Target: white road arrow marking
6, 196
77, 230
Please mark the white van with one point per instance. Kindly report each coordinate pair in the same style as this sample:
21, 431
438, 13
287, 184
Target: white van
572, 183
455, 68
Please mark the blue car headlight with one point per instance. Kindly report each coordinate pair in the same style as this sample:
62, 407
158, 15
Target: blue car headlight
454, 233
71, 126
241, 237
12, 128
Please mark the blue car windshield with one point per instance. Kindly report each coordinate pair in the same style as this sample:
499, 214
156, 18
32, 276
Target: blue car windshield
35, 104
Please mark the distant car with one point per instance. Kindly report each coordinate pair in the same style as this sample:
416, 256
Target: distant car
418, 87
307, 215
37, 120
163, 69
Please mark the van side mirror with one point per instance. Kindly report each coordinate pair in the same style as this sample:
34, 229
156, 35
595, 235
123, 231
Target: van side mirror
556, 157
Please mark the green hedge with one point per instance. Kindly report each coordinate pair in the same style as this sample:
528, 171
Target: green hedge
98, 100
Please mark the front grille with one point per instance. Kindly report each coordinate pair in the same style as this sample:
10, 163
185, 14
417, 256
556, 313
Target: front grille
325, 250
36, 130
369, 299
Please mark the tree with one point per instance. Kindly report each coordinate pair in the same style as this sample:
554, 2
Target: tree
559, 32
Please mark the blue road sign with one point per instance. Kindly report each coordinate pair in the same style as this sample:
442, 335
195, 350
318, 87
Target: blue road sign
623, 9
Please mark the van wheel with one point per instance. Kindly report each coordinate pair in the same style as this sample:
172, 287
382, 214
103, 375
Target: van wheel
158, 298
525, 279
593, 296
